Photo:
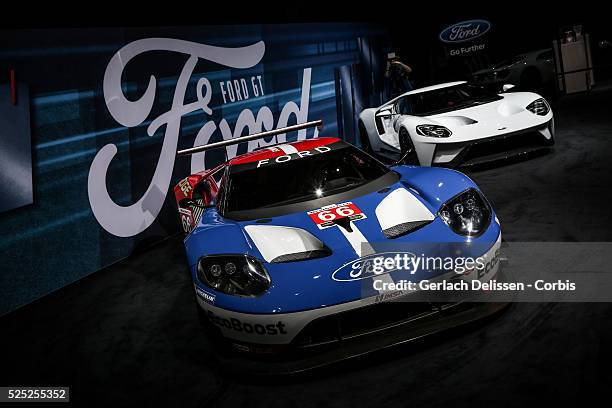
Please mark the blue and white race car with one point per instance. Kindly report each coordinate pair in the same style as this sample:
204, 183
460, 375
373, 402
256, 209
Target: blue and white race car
277, 240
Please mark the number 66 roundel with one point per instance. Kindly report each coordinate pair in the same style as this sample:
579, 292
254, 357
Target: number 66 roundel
324, 217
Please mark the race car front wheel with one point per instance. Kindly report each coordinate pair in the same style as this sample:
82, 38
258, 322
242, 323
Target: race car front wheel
408, 152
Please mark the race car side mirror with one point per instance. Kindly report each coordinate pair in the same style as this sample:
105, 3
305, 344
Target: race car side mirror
507, 87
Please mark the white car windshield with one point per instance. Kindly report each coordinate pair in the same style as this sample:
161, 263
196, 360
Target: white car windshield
444, 100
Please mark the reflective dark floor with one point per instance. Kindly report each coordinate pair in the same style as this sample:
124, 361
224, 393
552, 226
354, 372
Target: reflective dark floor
128, 335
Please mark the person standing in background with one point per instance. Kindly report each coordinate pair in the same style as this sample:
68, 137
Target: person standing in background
398, 75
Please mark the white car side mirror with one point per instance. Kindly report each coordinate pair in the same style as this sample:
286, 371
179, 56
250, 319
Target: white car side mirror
507, 87
384, 112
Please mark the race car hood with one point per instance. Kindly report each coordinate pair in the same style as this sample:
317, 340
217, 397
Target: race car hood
412, 202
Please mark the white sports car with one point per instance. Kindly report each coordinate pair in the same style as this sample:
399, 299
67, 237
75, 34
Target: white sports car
457, 123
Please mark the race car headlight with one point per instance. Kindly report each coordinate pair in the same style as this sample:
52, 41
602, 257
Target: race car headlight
467, 214
539, 107
433, 131
239, 275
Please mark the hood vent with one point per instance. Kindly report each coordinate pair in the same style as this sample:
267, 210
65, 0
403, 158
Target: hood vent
401, 212
286, 244
302, 256
404, 228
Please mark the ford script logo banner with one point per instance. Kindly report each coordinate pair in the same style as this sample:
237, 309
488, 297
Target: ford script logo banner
129, 220
464, 31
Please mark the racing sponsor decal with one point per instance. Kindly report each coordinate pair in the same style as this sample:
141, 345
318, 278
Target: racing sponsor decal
197, 211
190, 217
325, 217
389, 296
285, 148
185, 186
236, 325
205, 296
186, 219
342, 215
292, 156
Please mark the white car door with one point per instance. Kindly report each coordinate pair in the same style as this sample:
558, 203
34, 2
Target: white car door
388, 116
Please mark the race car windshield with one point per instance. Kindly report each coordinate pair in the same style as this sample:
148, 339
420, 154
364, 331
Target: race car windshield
444, 100
300, 179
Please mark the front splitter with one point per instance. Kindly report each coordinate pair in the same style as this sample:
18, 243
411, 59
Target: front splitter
303, 361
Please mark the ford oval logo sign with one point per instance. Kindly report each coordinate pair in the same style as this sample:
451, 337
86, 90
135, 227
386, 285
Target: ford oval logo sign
366, 267
465, 31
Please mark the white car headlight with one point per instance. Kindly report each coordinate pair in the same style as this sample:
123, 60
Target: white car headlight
433, 131
539, 107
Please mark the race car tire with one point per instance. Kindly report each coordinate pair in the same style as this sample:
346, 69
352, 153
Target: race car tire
408, 153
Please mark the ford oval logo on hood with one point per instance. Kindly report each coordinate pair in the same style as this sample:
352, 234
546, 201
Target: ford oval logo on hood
464, 31
366, 267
